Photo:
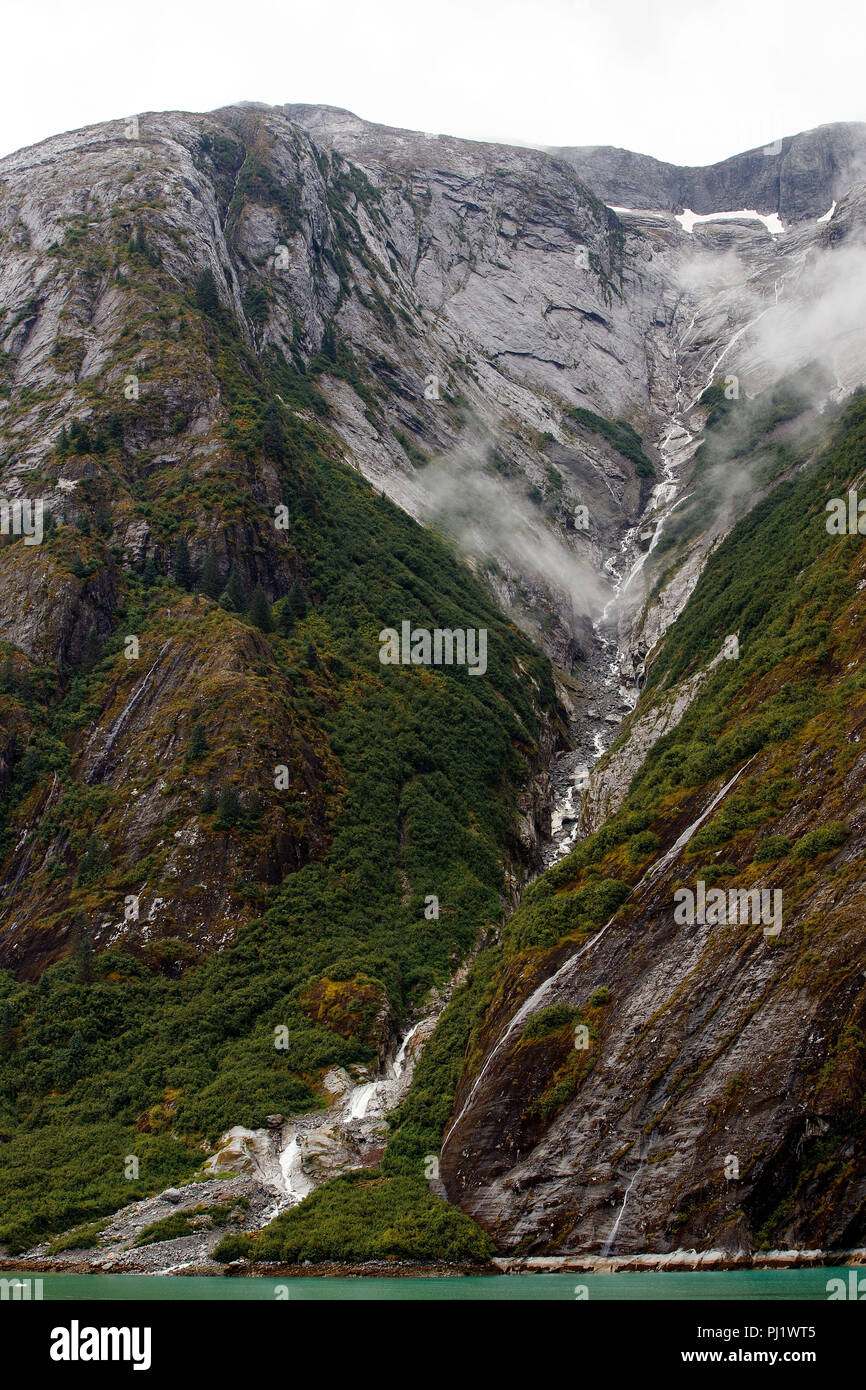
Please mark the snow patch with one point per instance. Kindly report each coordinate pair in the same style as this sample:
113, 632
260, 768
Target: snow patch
688, 220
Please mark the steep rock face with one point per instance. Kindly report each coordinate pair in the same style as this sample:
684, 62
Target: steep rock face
218, 799
211, 320
728, 301
123, 407
480, 289
712, 1049
796, 176
714, 1100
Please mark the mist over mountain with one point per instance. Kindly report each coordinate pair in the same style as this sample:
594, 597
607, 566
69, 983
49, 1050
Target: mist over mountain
362, 959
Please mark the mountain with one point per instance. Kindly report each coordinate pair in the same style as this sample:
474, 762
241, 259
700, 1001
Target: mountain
275, 382
796, 176
718, 1101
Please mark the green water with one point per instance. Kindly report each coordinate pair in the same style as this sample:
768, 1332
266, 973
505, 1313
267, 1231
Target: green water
755, 1284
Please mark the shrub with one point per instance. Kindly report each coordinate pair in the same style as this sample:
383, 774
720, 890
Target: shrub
772, 847
550, 1020
228, 809
94, 864
642, 846
365, 1216
82, 1238
826, 837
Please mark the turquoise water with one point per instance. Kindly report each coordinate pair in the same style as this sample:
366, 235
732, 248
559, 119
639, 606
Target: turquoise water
756, 1284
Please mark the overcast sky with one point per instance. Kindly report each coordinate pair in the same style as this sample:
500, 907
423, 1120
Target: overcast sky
685, 80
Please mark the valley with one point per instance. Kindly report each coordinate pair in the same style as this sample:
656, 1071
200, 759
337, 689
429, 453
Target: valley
490, 403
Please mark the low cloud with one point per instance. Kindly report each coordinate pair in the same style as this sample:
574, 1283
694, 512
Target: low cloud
489, 517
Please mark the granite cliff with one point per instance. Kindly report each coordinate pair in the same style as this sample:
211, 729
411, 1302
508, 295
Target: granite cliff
277, 379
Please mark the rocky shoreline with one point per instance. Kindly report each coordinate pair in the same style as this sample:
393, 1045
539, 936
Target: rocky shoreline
673, 1261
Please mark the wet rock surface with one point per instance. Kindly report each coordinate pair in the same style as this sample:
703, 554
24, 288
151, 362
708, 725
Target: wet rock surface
512, 297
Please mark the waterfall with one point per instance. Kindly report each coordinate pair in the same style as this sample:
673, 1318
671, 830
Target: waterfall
541, 990
608, 1244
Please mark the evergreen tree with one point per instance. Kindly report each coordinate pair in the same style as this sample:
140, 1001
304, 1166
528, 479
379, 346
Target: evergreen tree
206, 294
94, 863
82, 945
285, 618
252, 811
210, 581
273, 439
198, 744
260, 610
7, 1027
228, 808
208, 803
91, 651
329, 344
298, 601
149, 574
77, 1054
102, 516
234, 596
70, 1063
293, 608
181, 563
31, 768
79, 436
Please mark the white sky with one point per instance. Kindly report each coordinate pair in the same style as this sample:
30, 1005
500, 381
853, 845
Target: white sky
686, 80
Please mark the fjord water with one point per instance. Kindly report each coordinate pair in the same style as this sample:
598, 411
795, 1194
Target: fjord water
808, 1285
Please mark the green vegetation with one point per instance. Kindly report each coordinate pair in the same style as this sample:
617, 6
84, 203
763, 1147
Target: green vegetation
363, 1216
780, 583
542, 922
821, 840
796, 693
191, 1220
550, 1020
151, 1051
748, 444
623, 436
771, 848
82, 1238
417, 1125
